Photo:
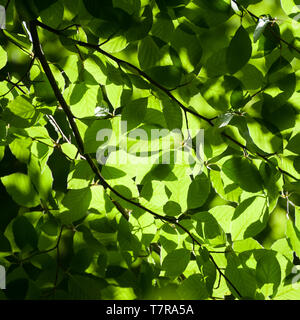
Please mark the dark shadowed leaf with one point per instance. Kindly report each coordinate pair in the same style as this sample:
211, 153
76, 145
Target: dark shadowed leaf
239, 50
244, 173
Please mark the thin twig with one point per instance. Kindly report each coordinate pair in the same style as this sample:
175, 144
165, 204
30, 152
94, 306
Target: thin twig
44, 251
15, 85
22, 78
57, 259
57, 128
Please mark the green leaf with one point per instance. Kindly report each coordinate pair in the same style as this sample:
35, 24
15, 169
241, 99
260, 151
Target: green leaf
83, 99
288, 292
140, 27
223, 214
239, 50
4, 244
214, 144
208, 229
100, 202
288, 6
172, 208
268, 271
284, 248
193, 288
47, 16
127, 240
94, 71
144, 227
20, 148
206, 268
116, 44
294, 143
175, 262
85, 287
127, 69
50, 226
251, 77
3, 57
105, 11
20, 112
242, 277
77, 203
24, 233
69, 149
172, 114
198, 191
244, 173
134, 112
102, 225
42, 88
270, 39
216, 63
293, 235
249, 218
245, 245
167, 76
82, 259
18, 38
263, 138
237, 98
20, 188
41, 179
92, 138
188, 48
163, 26
148, 53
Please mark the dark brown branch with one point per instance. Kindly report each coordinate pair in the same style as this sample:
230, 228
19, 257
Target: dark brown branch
40, 55
15, 85
7, 4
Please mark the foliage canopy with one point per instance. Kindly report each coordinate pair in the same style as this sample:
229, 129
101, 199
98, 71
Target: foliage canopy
74, 229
